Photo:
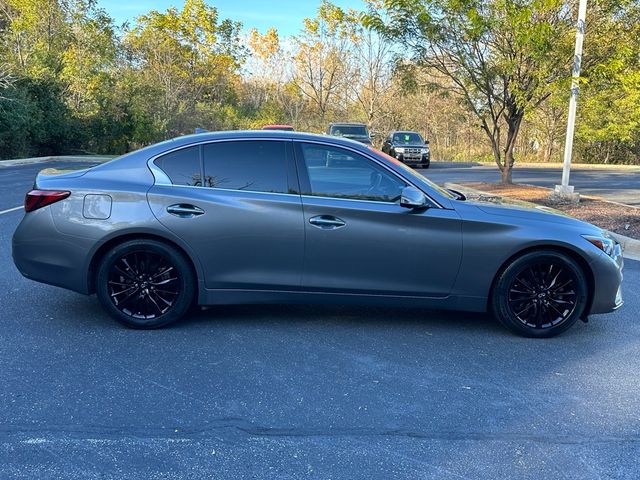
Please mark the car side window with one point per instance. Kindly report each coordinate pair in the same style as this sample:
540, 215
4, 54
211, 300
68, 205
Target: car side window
182, 166
339, 173
252, 165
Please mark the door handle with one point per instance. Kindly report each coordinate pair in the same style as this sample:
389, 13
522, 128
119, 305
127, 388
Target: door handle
184, 210
327, 222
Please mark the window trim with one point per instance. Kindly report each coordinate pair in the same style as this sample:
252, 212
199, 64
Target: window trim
293, 182
303, 176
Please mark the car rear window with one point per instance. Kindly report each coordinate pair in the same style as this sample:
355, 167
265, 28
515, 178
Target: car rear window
349, 130
181, 166
252, 165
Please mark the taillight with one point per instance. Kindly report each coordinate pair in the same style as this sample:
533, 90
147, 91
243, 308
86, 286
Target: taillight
36, 199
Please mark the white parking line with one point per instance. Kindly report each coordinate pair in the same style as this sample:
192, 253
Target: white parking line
10, 210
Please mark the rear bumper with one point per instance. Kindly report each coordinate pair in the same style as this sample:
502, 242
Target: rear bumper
42, 253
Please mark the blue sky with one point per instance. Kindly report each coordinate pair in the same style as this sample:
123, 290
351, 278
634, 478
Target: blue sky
285, 15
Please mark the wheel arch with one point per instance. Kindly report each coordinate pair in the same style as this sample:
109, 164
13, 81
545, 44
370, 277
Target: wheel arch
102, 250
571, 253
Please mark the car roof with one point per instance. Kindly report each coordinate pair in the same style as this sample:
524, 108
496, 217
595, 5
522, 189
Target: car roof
332, 124
276, 126
404, 131
258, 134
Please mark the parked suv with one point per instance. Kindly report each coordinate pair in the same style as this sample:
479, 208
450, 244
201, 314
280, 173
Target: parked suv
354, 131
408, 147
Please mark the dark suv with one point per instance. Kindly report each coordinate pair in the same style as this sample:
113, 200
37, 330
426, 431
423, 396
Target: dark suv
354, 131
408, 147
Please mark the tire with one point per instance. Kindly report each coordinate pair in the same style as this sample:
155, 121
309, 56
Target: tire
540, 294
145, 284
426, 165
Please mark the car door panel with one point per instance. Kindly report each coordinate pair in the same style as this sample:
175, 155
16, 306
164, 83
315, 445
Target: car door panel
244, 239
382, 248
369, 243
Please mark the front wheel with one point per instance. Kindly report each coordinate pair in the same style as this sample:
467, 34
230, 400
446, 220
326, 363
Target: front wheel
145, 284
541, 294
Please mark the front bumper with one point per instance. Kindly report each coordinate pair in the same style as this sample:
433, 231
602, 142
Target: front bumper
422, 159
607, 282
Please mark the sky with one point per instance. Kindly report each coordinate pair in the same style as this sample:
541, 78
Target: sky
285, 15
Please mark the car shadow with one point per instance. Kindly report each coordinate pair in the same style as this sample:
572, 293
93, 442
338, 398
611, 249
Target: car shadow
339, 315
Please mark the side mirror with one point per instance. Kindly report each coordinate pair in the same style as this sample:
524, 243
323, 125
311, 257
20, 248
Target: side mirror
372, 135
412, 198
426, 142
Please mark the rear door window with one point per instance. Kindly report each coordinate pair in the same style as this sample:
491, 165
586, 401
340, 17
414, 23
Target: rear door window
251, 165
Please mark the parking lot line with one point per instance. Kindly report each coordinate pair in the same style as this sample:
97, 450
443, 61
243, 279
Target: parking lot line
9, 210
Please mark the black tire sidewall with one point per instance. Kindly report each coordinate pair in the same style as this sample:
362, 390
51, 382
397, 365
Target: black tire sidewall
182, 265
499, 295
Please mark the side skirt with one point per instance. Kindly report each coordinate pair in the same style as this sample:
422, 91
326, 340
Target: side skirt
243, 297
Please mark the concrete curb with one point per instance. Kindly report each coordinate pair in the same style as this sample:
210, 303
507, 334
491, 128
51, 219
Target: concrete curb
576, 166
630, 246
62, 158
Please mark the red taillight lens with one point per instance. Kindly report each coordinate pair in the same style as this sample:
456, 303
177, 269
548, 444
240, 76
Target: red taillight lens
36, 199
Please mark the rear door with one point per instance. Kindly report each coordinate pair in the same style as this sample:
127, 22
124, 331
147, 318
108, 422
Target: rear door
236, 203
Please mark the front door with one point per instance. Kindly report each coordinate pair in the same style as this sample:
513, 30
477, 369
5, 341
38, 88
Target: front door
358, 237
244, 221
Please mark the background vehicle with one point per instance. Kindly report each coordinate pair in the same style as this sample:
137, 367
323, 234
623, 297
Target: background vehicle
287, 128
354, 131
264, 217
408, 147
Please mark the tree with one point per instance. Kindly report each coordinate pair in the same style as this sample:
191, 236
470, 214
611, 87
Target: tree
609, 108
188, 60
501, 56
322, 58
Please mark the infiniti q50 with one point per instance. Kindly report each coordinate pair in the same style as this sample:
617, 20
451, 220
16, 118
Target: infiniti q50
284, 217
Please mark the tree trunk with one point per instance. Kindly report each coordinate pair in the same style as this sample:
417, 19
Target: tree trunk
505, 173
513, 127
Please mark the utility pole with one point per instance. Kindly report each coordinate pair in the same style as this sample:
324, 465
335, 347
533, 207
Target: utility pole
566, 190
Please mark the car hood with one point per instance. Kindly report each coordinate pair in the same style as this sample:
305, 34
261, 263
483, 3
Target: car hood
527, 211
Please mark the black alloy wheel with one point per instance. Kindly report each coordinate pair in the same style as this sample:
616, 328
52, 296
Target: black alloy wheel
145, 283
541, 294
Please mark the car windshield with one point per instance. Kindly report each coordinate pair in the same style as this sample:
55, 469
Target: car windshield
407, 138
411, 173
349, 131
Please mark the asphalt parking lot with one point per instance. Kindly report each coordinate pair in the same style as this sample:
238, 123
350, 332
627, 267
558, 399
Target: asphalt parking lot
284, 392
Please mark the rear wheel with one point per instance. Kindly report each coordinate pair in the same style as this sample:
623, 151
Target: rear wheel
145, 284
541, 294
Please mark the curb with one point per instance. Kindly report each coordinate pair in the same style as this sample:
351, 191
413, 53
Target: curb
576, 166
62, 158
630, 246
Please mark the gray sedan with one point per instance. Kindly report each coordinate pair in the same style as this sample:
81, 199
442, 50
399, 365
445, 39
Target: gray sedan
284, 217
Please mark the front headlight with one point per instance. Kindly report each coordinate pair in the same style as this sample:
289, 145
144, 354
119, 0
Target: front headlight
399, 149
424, 150
604, 243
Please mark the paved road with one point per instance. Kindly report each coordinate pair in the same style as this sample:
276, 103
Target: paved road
284, 392
617, 185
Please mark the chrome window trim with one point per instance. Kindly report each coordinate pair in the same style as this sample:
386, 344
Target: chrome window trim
227, 189
376, 202
162, 179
